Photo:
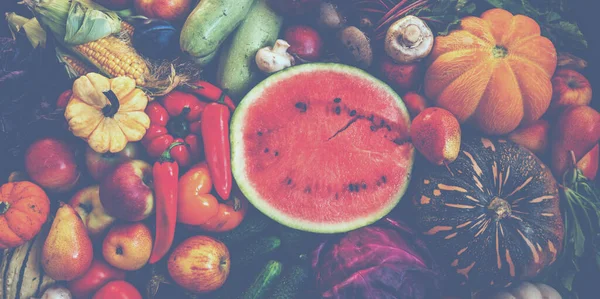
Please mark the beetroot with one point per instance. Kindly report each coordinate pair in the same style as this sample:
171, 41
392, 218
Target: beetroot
403, 77
305, 42
294, 7
384, 261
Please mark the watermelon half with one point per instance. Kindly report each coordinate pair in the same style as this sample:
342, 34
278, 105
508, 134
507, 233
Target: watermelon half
322, 147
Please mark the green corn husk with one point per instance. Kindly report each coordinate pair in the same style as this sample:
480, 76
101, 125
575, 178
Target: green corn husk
75, 22
30, 28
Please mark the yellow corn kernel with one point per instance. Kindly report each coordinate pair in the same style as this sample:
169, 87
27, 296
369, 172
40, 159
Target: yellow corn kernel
127, 28
115, 57
78, 66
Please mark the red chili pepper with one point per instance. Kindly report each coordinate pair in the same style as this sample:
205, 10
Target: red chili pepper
210, 92
166, 185
215, 131
175, 118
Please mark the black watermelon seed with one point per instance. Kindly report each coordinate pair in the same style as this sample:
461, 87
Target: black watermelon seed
289, 181
338, 110
266, 150
356, 187
307, 189
259, 133
373, 128
388, 127
276, 153
364, 185
353, 112
337, 100
351, 188
301, 106
383, 179
337, 196
371, 117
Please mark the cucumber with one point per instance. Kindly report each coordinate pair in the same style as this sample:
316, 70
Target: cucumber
292, 282
253, 251
237, 70
209, 24
265, 280
254, 224
296, 242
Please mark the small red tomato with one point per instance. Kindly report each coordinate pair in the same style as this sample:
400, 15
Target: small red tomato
63, 99
96, 276
305, 42
118, 289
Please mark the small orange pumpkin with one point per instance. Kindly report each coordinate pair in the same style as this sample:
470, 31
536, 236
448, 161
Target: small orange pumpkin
494, 71
24, 208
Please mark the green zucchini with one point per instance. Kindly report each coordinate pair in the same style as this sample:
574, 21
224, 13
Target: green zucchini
209, 24
237, 71
253, 251
253, 225
292, 282
296, 243
265, 280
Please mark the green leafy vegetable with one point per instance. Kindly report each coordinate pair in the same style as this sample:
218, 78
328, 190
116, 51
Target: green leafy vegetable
565, 34
581, 213
444, 16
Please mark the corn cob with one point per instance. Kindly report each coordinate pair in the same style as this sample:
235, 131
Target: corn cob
115, 57
126, 27
75, 67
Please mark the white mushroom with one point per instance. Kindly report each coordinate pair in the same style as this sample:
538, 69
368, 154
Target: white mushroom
408, 39
56, 292
274, 59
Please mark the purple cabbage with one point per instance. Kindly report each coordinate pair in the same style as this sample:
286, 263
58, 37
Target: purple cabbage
382, 261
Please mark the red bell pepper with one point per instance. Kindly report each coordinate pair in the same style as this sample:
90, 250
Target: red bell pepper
209, 92
166, 185
96, 277
175, 118
215, 131
118, 289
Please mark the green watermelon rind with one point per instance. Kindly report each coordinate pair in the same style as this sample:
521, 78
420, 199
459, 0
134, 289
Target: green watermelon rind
238, 159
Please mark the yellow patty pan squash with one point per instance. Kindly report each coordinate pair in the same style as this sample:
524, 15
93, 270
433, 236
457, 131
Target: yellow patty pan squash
107, 113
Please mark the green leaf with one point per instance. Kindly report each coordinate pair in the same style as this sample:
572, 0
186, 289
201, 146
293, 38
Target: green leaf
567, 279
552, 17
86, 24
496, 3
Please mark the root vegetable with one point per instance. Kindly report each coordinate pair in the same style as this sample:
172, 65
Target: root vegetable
355, 47
330, 16
274, 59
408, 39
305, 43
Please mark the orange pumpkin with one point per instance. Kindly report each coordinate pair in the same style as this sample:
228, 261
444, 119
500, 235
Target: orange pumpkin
494, 71
24, 208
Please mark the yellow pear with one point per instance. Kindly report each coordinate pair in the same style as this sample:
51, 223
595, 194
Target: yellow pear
67, 252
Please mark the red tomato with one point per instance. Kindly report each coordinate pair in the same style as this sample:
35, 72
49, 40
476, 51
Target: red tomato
63, 98
96, 276
118, 289
195, 204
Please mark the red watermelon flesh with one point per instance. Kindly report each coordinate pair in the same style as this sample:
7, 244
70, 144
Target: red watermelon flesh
322, 148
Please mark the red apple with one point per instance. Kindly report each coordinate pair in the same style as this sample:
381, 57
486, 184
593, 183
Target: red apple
415, 103
305, 42
570, 88
533, 136
115, 4
402, 77
100, 164
199, 264
87, 204
51, 164
168, 10
589, 163
126, 193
